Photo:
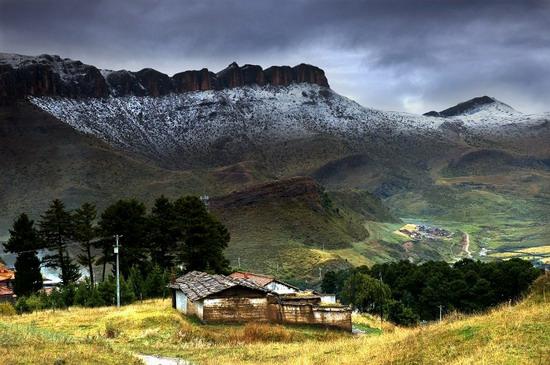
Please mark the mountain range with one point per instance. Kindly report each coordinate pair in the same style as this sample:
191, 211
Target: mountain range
304, 178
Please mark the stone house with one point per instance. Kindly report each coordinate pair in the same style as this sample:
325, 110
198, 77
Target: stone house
7, 278
219, 299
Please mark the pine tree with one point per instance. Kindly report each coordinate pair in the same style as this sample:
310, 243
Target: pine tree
56, 231
163, 233
204, 238
126, 218
24, 241
84, 232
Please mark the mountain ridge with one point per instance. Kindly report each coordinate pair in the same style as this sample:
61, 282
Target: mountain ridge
51, 75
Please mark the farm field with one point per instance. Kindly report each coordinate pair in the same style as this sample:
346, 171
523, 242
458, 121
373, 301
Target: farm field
518, 334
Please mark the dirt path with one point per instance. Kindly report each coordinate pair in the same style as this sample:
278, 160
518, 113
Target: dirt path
466, 245
159, 360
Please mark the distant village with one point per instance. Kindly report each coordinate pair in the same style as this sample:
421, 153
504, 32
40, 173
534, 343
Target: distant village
420, 231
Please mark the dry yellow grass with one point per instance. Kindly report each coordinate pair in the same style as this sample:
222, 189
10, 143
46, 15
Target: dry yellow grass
529, 253
507, 335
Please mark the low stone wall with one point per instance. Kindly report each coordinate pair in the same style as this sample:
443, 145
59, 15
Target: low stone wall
327, 316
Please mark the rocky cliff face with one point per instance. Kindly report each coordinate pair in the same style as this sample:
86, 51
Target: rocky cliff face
48, 76
45, 75
300, 188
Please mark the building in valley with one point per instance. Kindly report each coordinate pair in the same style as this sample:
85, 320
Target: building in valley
7, 278
219, 298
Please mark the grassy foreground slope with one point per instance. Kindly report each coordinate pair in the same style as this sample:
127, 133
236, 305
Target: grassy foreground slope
518, 334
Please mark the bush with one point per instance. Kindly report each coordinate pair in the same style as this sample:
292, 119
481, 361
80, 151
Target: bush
262, 332
111, 331
399, 314
31, 303
7, 309
88, 296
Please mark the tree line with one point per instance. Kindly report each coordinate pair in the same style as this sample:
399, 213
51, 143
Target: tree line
175, 235
405, 293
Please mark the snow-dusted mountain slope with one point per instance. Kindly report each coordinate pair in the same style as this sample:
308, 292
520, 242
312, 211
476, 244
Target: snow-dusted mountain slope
193, 121
175, 125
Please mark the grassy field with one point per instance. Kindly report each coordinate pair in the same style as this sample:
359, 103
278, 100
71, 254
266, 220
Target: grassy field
518, 334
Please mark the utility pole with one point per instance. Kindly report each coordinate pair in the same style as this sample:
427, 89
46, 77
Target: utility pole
204, 199
117, 271
440, 312
381, 305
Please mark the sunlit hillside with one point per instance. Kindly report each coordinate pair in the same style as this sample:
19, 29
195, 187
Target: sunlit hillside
510, 334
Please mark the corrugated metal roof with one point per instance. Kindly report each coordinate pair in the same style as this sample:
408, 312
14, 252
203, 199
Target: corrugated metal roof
198, 285
258, 279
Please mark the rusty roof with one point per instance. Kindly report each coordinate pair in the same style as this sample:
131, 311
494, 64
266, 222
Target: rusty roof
6, 274
258, 279
4, 291
198, 285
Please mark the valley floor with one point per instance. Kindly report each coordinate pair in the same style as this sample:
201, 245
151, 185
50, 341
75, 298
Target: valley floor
517, 334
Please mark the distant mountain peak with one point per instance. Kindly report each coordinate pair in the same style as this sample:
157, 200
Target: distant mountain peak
486, 104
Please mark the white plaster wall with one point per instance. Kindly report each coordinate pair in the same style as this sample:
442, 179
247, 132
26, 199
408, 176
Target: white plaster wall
280, 288
181, 301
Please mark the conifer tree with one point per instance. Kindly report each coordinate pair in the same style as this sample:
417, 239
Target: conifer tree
84, 232
204, 238
163, 233
128, 219
56, 231
24, 241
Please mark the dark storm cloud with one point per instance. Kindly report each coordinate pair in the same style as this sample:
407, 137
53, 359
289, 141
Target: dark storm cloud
405, 55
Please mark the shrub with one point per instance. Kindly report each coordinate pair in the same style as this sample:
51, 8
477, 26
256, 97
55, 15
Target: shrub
187, 332
21, 305
7, 309
399, 314
262, 332
35, 302
111, 330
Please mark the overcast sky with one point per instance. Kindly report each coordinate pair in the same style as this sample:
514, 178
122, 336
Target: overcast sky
406, 55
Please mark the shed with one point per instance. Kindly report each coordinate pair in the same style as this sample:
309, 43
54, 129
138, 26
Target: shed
219, 298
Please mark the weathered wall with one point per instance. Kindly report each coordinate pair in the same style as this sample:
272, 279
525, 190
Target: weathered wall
236, 310
328, 298
181, 302
243, 305
236, 304
296, 313
195, 308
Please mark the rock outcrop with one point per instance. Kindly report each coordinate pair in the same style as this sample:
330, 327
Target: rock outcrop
296, 188
46, 75
194, 81
309, 74
155, 82
279, 75
49, 76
